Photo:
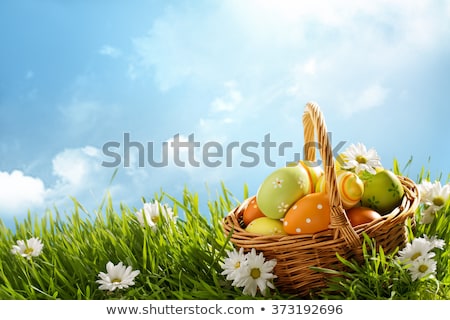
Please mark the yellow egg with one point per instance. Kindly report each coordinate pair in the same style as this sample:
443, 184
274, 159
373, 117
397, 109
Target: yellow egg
320, 184
350, 187
266, 226
314, 172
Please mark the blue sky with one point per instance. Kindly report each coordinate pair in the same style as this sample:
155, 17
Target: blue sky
77, 75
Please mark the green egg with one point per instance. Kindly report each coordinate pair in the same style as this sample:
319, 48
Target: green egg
281, 189
383, 192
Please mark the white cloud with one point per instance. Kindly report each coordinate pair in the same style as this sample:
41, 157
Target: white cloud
81, 114
110, 51
132, 72
370, 97
78, 173
310, 67
75, 167
230, 101
20, 192
84, 116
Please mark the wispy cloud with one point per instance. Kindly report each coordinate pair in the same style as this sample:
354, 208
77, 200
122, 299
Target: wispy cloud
230, 101
349, 43
370, 97
110, 51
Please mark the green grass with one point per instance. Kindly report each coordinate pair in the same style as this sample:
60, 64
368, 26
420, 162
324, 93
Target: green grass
177, 260
182, 259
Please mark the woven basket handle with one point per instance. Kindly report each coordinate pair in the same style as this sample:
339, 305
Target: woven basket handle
313, 122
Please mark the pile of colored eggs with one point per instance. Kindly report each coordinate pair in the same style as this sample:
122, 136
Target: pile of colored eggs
293, 200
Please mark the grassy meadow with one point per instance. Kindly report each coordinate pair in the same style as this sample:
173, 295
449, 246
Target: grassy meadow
182, 258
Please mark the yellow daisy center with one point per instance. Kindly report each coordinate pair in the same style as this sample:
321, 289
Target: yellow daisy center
28, 251
116, 280
361, 159
415, 256
237, 265
255, 273
423, 268
438, 201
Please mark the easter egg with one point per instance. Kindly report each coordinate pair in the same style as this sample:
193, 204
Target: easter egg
252, 211
266, 226
309, 214
281, 189
314, 172
361, 215
350, 187
383, 192
320, 184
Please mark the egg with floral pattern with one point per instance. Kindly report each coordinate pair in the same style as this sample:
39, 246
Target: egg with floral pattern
383, 192
278, 192
310, 214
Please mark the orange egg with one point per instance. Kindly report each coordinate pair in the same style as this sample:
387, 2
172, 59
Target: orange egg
361, 215
309, 214
252, 211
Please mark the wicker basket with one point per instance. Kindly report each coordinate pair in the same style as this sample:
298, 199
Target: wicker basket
295, 254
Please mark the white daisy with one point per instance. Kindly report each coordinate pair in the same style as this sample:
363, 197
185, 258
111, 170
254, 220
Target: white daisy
359, 159
422, 267
152, 212
420, 247
32, 248
427, 216
433, 195
117, 277
256, 273
232, 266
435, 242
